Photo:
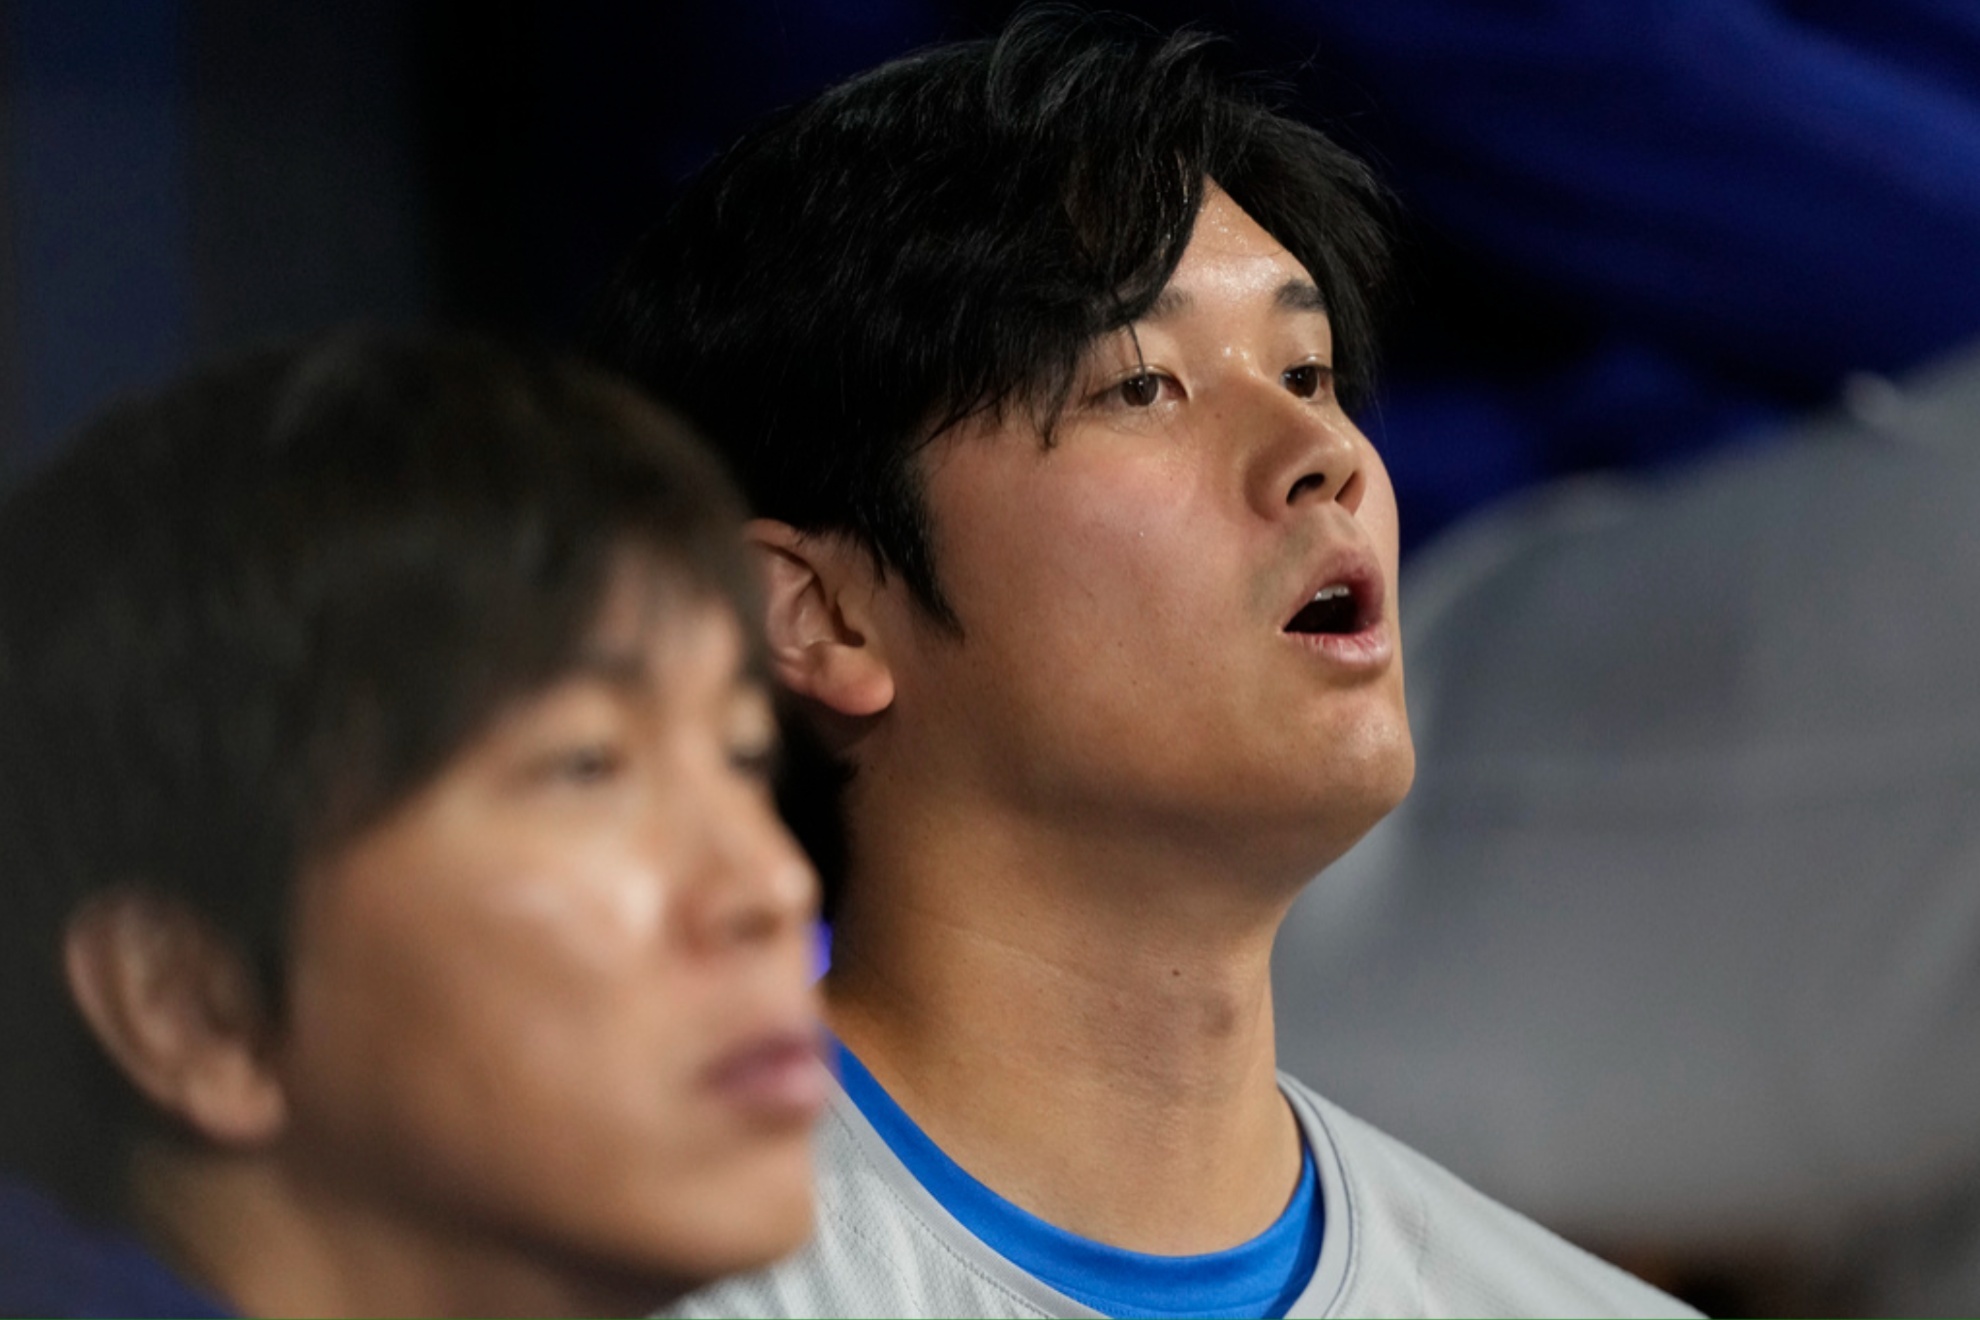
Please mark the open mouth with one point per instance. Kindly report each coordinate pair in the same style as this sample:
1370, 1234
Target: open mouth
1337, 610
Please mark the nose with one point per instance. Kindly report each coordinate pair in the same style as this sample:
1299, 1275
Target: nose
754, 885
1305, 453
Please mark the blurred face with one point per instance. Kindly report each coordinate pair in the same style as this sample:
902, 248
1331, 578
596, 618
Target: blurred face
1179, 613
558, 1007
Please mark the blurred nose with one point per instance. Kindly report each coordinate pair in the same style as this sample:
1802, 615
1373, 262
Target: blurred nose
754, 885
1304, 453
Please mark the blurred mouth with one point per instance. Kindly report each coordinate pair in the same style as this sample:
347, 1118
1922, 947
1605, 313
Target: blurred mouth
777, 1078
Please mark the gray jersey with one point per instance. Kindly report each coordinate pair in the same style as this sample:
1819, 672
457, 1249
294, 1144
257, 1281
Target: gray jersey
1403, 1237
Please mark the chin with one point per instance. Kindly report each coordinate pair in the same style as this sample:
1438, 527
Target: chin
1379, 755
751, 1223
686, 1235
777, 1230
1393, 777
1386, 775
1336, 814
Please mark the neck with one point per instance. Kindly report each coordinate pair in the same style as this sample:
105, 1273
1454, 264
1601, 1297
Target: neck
246, 1230
1083, 1023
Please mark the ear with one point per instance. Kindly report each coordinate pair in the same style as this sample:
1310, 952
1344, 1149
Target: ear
177, 1010
819, 595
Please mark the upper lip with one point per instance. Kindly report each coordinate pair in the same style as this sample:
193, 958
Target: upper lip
1351, 567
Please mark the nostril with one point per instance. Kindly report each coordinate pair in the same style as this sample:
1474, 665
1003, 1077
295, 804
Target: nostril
1350, 493
1312, 483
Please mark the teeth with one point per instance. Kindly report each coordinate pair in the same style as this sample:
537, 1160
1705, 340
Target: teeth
1331, 610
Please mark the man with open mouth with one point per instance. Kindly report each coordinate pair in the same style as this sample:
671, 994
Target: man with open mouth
1036, 359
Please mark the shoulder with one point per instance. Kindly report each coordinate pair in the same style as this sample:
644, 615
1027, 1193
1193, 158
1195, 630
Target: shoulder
53, 1264
1419, 1241
883, 1246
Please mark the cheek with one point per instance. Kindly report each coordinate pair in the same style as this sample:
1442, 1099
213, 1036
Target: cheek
1090, 598
433, 1002
1097, 554
1378, 514
584, 916
569, 911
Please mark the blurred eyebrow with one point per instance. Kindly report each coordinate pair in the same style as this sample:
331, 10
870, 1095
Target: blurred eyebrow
619, 669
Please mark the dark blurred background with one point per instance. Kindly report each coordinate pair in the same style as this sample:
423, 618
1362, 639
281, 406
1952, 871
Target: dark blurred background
1632, 232
188, 176
1677, 943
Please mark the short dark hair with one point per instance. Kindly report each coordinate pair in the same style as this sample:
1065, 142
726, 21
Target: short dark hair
243, 618
946, 234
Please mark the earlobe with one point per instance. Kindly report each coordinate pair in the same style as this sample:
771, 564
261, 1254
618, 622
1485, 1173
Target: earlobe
176, 1010
818, 618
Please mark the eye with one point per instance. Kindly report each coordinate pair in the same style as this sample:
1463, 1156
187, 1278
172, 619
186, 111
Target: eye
752, 734
591, 763
1140, 391
755, 760
1309, 380
1144, 389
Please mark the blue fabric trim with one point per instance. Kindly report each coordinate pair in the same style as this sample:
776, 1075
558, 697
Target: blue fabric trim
51, 1265
1263, 1277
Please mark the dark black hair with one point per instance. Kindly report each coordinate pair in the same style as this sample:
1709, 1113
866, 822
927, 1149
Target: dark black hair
243, 618
948, 233
944, 235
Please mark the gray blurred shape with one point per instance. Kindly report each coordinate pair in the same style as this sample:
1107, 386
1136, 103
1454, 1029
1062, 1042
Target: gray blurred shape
1676, 943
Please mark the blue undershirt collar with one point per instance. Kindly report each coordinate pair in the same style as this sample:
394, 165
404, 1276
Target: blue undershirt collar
1262, 1277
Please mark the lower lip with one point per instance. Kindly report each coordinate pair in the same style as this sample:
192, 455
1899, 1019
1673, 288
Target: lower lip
1370, 649
779, 1082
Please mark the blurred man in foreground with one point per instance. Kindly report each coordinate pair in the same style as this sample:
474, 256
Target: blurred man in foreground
400, 920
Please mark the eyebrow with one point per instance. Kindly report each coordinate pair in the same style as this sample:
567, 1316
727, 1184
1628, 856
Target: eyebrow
1169, 302
1301, 296
1295, 295
619, 669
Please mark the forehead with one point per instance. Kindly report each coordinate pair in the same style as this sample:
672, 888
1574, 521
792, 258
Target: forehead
655, 633
1232, 255
652, 617
1232, 267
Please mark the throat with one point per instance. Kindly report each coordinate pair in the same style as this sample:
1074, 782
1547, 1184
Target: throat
1145, 1116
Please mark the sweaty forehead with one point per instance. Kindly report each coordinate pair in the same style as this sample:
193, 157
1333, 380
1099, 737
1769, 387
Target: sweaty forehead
1232, 255
1297, 294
